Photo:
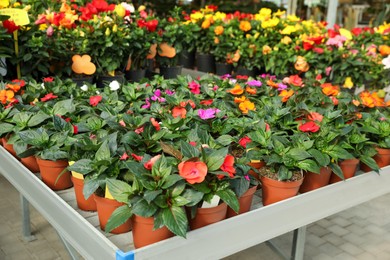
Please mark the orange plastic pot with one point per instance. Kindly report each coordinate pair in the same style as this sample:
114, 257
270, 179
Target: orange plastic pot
256, 165
143, 233
245, 202
348, 167
382, 158
275, 191
207, 216
30, 163
314, 181
105, 207
82, 203
50, 172
9, 147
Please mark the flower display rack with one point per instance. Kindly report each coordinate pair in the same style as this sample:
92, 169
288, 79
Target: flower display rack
224, 238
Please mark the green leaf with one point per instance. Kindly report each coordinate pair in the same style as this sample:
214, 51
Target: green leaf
337, 170
188, 150
224, 140
180, 201
171, 180
59, 124
230, 198
337, 152
104, 152
63, 107
309, 165
149, 196
175, 219
83, 166
6, 128
120, 190
90, 186
193, 196
37, 119
118, 217
322, 159
215, 159
143, 209
35, 138
370, 162
298, 154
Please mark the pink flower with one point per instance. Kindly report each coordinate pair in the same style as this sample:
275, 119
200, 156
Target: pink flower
208, 113
48, 97
124, 157
147, 105
254, 83
149, 164
194, 87
157, 96
244, 141
122, 123
338, 41
50, 31
139, 130
137, 157
192, 143
94, 100
328, 70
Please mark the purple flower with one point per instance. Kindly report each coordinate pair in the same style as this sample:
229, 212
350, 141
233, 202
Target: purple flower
226, 76
208, 113
169, 92
157, 96
254, 83
147, 105
281, 86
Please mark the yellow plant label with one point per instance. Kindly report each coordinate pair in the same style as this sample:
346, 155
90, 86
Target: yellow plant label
108, 194
18, 16
76, 174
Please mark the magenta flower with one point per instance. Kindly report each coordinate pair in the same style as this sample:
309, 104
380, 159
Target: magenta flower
338, 41
281, 86
226, 76
194, 87
157, 96
147, 105
169, 92
254, 83
328, 70
208, 113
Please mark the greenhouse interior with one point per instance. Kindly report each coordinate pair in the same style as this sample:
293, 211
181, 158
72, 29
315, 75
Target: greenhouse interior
195, 129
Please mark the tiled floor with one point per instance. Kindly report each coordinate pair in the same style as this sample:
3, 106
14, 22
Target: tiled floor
362, 232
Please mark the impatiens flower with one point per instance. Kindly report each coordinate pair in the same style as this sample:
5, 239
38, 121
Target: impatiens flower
386, 62
330, 90
286, 94
48, 97
114, 85
179, 112
147, 105
207, 102
193, 171
10, 26
157, 96
245, 26
6, 95
251, 91
155, 124
218, 30
14, 87
208, 113
301, 64
281, 86
137, 157
328, 70
50, 31
139, 130
75, 129
48, 79
384, 50
238, 100
192, 143
237, 90
226, 76
84, 87
94, 100
314, 116
194, 87
356, 102
244, 141
169, 92
309, 127
228, 165
254, 83
246, 106
318, 50
337, 41
295, 80
122, 123
20, 82
243, 77
266, 50
348, 83
124, 157
149, 164
334, 100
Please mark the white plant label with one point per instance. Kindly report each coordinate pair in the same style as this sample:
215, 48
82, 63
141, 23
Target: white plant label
213, 203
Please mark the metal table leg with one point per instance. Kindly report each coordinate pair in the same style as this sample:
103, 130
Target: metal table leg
69, 248
26, 224
298, 247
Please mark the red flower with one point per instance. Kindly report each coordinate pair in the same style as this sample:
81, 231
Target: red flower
334, 100
149, 164
309, 127
193, 172
48, 79
152, 25
124, 157
48, 97
228, 165
295, 80
155, 124
267, 127
179, 112
356, 31
244, 141
308, 45
244, 77
75, 129
192, 143
10, 26
206, 102
20, 82
318, 50
139, 130
137, 157
314, 116
94, 100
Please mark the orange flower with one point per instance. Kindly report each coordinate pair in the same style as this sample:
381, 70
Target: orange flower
286, 94
193, 172
301, 64
155, 124
245, 26
334, 100
206, 24
6, 95
233, 58
246, 106
384, 50
250, 90
266, 50
379, 102
239, 99
216, 40
179, 112
228, 165
359, 115
14, 87
356, 102
218, 30
295, 80
314, 116
237, 90
272, 84
330, 90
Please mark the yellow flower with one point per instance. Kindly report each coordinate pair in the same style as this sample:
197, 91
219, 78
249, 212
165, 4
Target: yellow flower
245, 26
219, 16
4, 3
16, 4
141, 8
382, 28
245, 106
120, 10
196, 16
218, 30
293, 18
115, 28
266, 50
348, 83
265, 12
286, 40
288, 29
270, 23
347, 34
42, 27
279, 13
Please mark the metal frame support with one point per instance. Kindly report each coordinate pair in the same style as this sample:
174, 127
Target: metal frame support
298, 247
26, 224
69, 248
332, 12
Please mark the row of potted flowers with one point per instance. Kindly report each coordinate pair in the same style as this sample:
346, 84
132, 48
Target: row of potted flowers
168, 149
119, 38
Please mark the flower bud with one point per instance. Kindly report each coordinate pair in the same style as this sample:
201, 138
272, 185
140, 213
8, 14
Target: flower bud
108, 32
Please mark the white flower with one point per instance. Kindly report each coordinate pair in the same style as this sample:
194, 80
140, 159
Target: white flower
84, 87
386, 62
114, 85
43, 85
97, 92
128, 7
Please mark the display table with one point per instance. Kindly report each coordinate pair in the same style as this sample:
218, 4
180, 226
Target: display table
80, 229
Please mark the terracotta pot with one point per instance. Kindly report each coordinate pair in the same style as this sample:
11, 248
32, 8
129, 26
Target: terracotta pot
9, 147
31, 163
207, 216
382, 158
105, 207
143, 233
50, 170
82, 203
274, 190
348, 167
314, 181
256, 165
245, 202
